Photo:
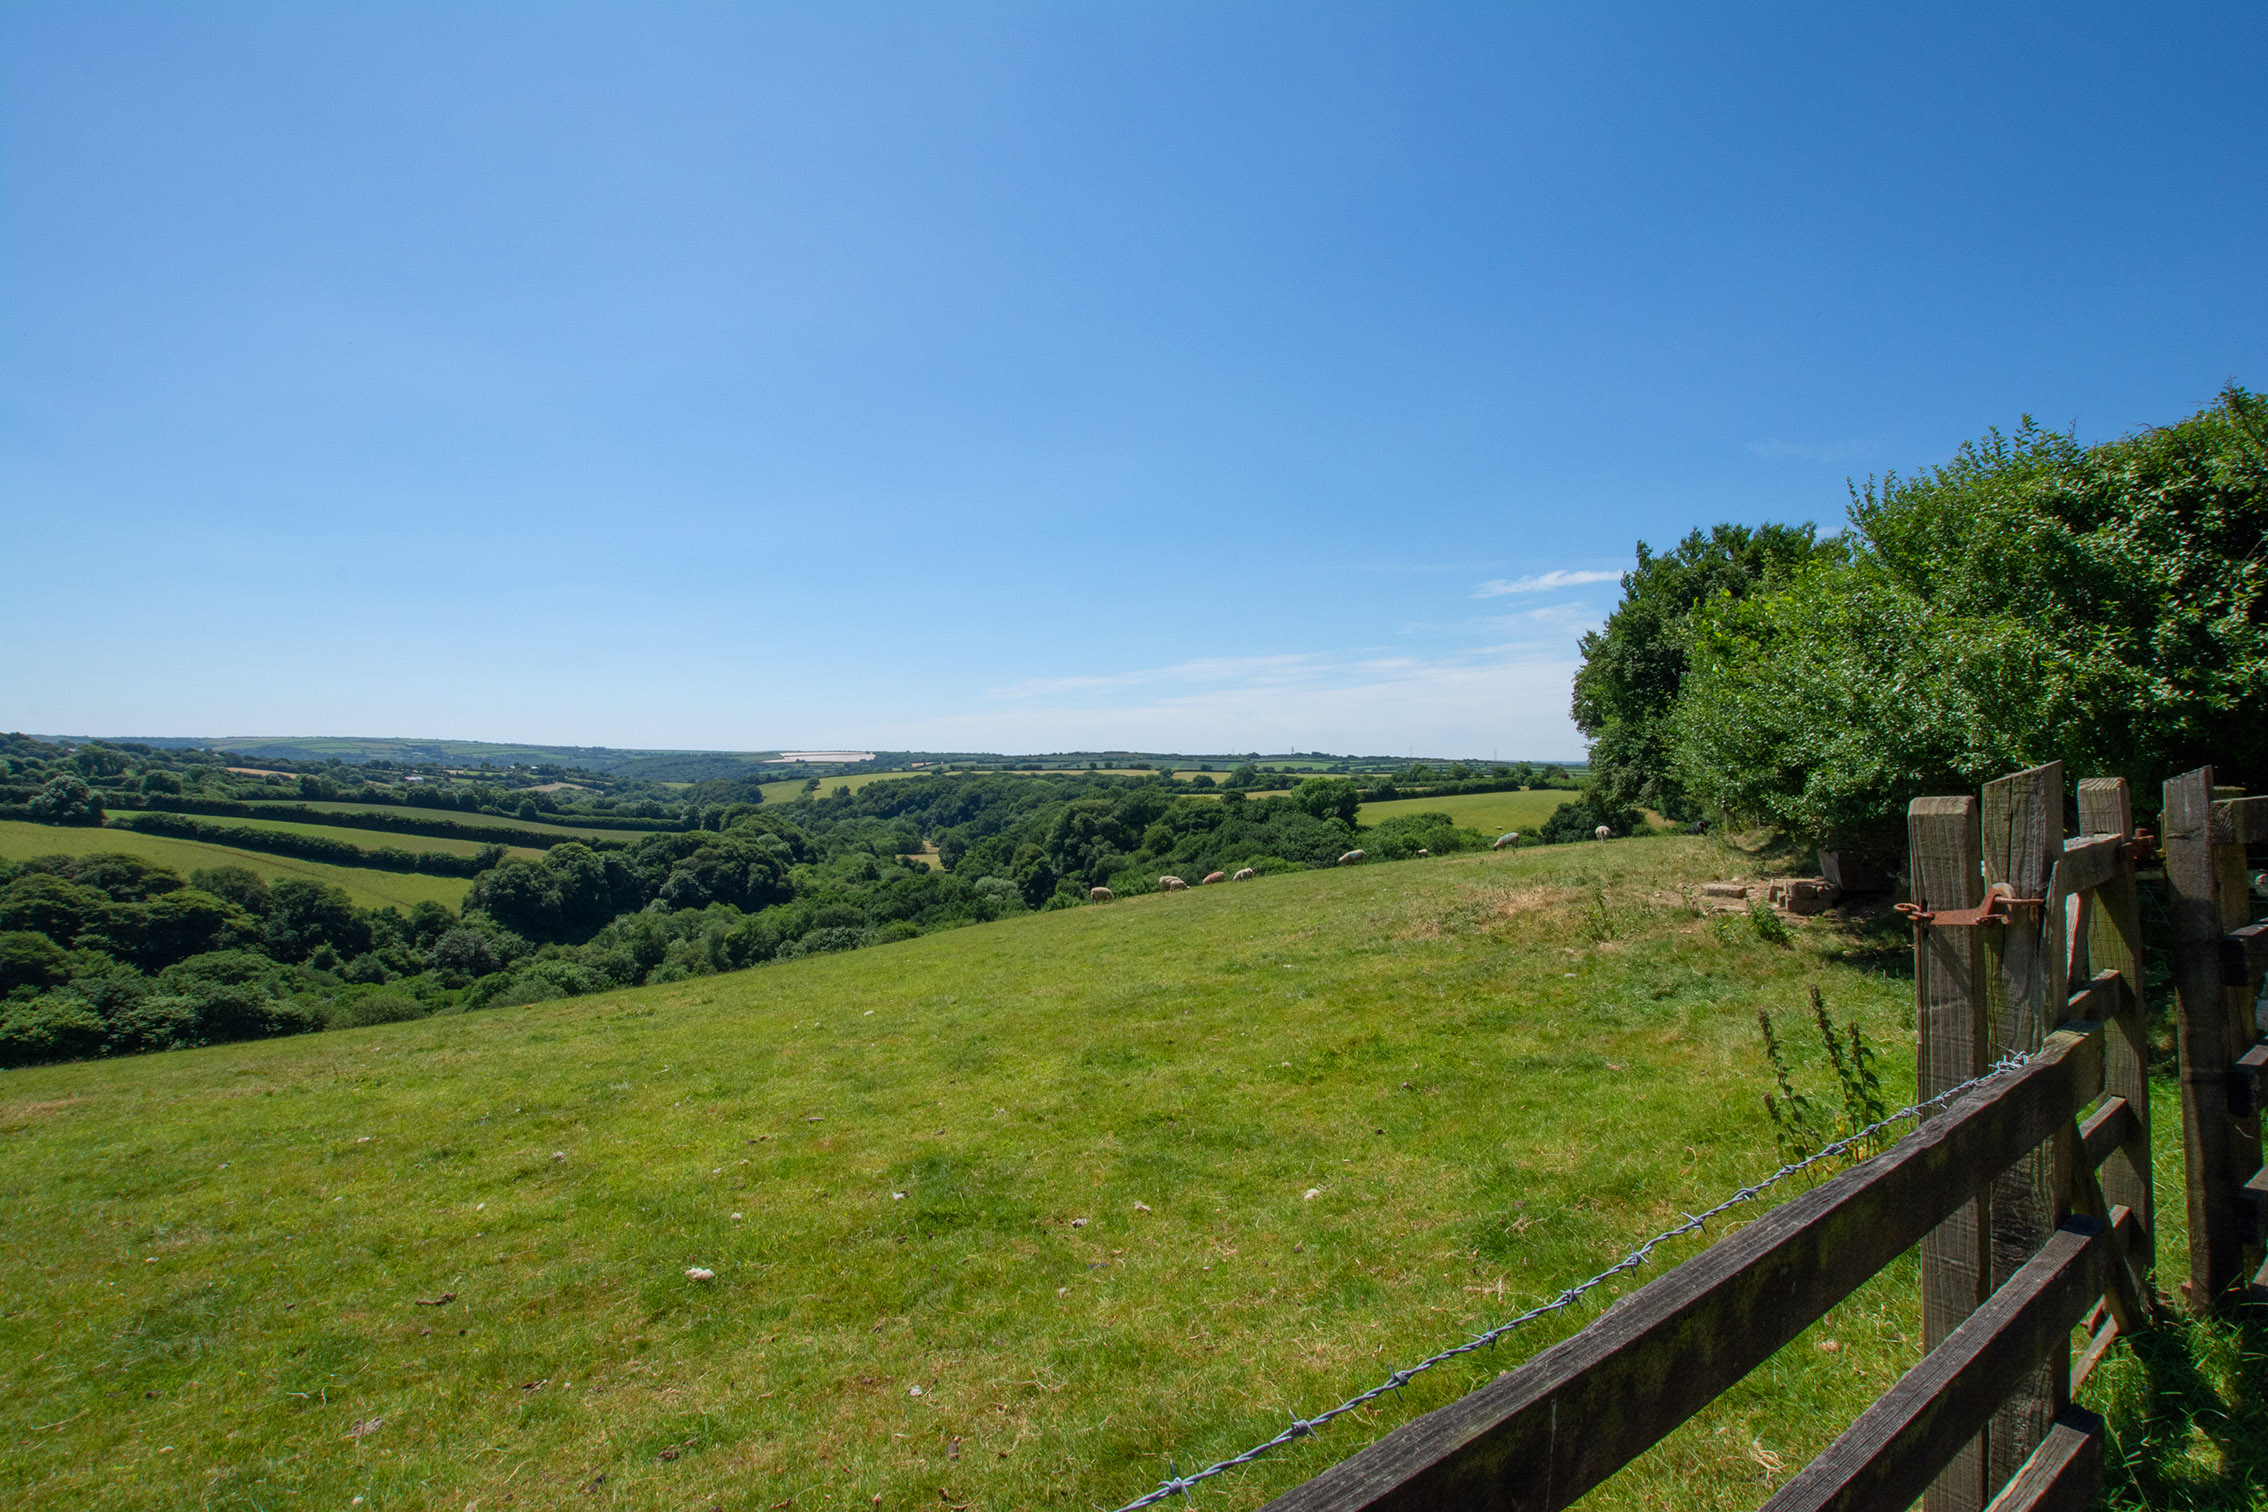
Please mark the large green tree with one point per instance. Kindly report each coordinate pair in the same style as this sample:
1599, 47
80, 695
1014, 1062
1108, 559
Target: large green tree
2031, 600
1634, 665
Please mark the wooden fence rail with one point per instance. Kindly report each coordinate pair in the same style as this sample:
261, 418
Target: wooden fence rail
1546, 1432
2030, 1198
2218, 962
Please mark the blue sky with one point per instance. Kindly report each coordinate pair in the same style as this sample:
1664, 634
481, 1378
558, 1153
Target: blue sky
1032, 377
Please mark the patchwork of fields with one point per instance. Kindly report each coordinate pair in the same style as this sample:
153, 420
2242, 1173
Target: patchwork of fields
1004, 1215
565, 831
367, 886
367, 839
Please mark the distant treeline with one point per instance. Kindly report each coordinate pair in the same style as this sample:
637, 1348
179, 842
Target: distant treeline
312, 847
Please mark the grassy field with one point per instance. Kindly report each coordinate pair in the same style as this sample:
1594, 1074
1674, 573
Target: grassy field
367, 839
792, 787
571, 831
999, 1218
1491, 813
368, 887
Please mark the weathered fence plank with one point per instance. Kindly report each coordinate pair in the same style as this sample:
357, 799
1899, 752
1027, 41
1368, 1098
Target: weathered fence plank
2106, 1129
2240, 821
2064, 1473
2092, 859
2212, 1030
2244, 955
2114, 943
2023, 841
1882, 1461
1946, 846
1546, 1432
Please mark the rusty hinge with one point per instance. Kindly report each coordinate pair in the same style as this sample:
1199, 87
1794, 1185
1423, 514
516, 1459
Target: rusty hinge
1998, 900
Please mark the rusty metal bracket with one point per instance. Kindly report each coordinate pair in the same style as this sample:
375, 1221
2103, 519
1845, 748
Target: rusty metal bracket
1999, 900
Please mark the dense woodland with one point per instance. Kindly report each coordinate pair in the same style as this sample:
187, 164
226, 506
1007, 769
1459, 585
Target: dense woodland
108, 954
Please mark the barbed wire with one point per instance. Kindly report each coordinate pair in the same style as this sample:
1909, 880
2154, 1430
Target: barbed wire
1303, 1427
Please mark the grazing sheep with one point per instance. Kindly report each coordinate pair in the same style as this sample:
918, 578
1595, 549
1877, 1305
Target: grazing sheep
1212, 877
1247, 872
1421, 850
1509, 837
1172, 884
1101, 895
1601, 832
1350, 857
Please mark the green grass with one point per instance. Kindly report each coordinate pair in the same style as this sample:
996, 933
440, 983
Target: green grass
367, 886
574, 831
366, 839
1486, 1099
1491, 813
1493, 1072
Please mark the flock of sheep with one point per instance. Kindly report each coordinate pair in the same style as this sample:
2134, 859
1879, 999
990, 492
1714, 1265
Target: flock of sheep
1175, 884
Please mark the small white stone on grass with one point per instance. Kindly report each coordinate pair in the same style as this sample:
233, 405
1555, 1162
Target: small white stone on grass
913, 1391
736, 1217
699, 1273
1311, 1194
1078, 1223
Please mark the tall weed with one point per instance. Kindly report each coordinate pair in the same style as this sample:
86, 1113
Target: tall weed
1801, 1124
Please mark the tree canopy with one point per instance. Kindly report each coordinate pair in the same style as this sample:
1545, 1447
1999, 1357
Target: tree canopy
2031, 600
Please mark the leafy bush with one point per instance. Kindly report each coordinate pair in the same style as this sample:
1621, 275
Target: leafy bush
1581, 819
54, 1026
374, 1008
2029, 601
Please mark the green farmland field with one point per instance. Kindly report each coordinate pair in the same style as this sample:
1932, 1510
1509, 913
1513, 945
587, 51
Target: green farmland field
367, 886
367, 839
572, 831
1492, 813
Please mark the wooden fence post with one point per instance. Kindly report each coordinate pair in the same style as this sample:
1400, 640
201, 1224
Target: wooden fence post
2114, 943
2213, 1026
2028, 979
1947, 850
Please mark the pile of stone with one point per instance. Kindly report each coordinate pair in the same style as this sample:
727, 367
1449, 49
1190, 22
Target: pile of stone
1797, 897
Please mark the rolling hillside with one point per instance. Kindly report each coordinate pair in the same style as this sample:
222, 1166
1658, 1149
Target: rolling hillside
1004, 1215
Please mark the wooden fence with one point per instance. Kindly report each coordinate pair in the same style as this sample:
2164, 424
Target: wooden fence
2030, 1196
2218, 961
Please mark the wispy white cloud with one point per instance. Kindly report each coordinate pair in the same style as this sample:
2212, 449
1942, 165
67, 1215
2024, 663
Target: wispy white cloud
1500, 699
1212, 669
1543, 582
1804, 451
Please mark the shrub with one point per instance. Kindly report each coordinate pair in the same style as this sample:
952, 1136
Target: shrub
31, 960
54, 1026
374, 1008
1581, 819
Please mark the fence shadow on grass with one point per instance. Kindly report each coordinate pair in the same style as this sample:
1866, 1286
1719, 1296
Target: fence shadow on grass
2186, 1408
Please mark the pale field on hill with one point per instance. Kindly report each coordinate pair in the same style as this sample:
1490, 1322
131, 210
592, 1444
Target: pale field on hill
1491, 813
367, 886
